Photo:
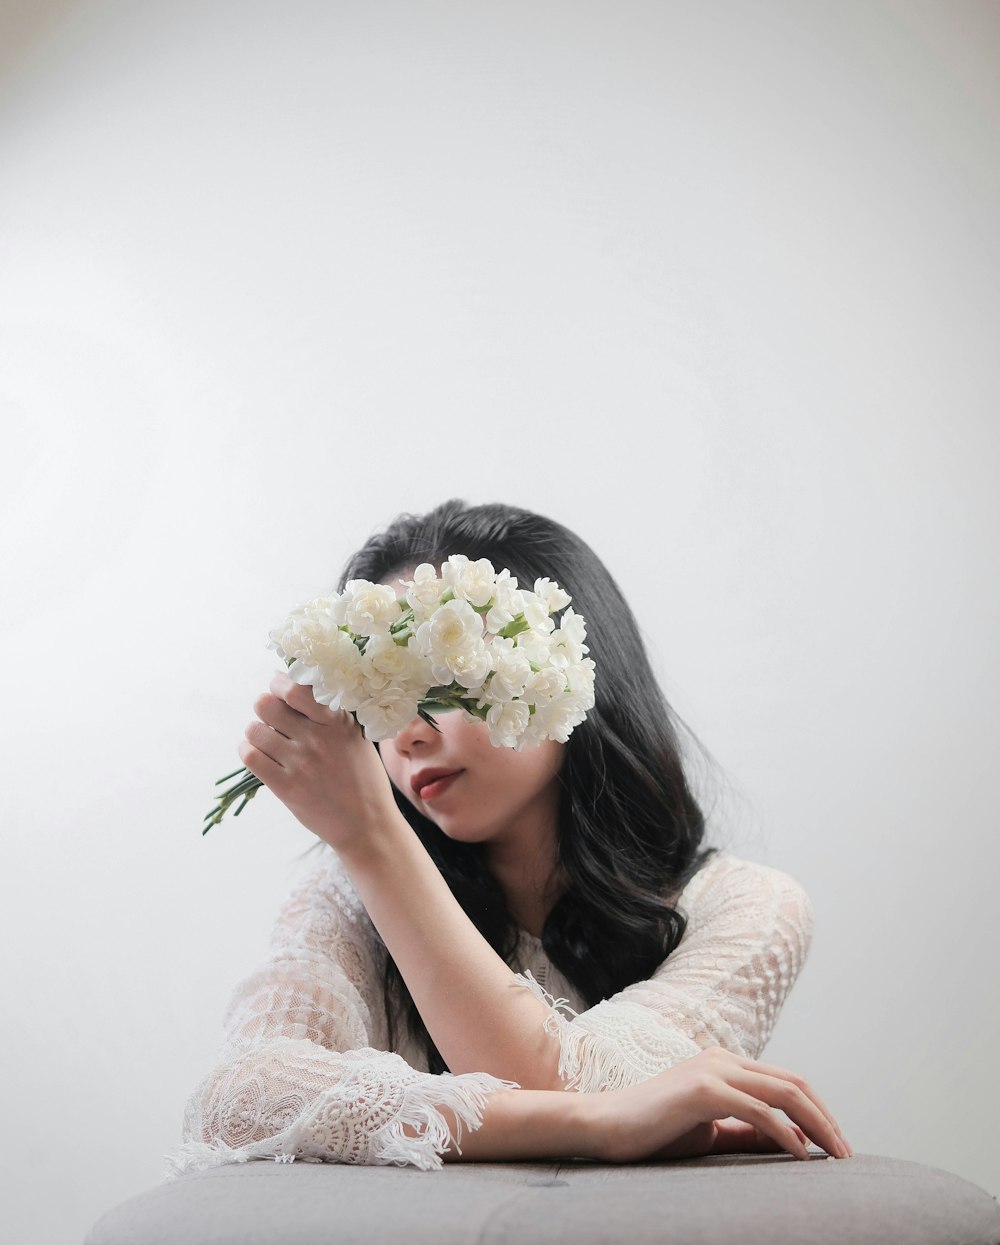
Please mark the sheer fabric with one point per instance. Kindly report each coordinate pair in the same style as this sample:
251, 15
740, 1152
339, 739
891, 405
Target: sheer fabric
304, 1072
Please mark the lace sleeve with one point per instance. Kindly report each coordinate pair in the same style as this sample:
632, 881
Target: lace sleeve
748, 934
300, 1075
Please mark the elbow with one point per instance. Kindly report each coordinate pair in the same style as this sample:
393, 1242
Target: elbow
544, 1072
526, 1070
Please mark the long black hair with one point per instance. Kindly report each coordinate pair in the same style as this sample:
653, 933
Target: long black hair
630, 829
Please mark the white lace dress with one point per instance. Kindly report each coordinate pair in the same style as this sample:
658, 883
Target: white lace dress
305, 1072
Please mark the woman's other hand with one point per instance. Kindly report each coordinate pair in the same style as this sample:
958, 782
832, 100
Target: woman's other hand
317, 761
713, 1103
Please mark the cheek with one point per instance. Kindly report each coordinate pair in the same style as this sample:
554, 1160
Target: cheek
547, 764
526, 772
391, 762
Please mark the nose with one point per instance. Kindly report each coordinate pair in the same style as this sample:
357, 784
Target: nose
416, 736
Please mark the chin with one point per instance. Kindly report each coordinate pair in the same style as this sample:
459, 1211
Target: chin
463, 833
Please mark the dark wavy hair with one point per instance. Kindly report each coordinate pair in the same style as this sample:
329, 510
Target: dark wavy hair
630, 829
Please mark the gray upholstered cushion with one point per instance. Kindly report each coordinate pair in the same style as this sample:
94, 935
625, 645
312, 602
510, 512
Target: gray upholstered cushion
744, 1199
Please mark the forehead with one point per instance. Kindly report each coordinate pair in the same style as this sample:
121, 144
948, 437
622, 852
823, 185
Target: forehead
395, 579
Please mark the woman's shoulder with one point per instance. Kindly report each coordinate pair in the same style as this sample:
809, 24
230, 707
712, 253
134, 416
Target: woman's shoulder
728, 880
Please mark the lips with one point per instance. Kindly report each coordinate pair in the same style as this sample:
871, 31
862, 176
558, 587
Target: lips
427, 783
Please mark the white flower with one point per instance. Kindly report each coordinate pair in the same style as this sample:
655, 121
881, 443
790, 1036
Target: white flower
507, 723
321, 656
536, 647
307, 631
474, 582
369, 609
508, 602
388, 662
424, 591
511, 670
335, 672
534, 686
544, 686
385, 714
453, 640
469, 668
580, 678
553, 596
568, 641
536, 612
557, 719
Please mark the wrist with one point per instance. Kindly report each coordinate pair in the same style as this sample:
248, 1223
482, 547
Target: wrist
372, 841
599, 1123
532, 1124
586, 1117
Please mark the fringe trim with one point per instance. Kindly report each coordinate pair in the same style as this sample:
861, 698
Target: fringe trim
464, 1096
588, 1063
196, 1155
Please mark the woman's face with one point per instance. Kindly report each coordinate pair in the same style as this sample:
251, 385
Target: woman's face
473, 792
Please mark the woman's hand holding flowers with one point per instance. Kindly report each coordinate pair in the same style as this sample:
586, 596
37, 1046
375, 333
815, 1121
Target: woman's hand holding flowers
318, 762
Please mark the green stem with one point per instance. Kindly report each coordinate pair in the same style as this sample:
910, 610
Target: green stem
244, 790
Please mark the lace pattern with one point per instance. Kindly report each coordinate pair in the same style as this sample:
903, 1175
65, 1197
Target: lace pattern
304, 1072
748, 934
290, 1100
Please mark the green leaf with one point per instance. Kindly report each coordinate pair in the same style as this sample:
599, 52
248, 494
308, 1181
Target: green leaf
516, 625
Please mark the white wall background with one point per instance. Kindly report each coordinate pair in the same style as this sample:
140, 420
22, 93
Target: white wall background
716, 285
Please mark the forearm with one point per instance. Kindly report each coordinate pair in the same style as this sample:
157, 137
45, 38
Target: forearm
480, 1018
530, 1124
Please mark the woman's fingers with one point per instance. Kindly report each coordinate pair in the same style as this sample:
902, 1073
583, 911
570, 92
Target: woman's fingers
259, 764
269, 743
266, 743
784, 1075
737, 1137
792, 1091
783, 1088
762, 1116
299, 698
755, 1092
281, 724
784, 1093
274, 712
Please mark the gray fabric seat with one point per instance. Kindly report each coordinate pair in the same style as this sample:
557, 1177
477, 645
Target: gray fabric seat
749, 1199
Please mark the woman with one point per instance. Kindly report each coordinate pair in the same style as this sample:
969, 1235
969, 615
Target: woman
406, 1013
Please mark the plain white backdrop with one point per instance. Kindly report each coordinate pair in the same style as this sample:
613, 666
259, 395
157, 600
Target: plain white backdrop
716, 285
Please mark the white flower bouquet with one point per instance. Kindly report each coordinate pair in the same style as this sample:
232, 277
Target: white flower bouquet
470, 640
